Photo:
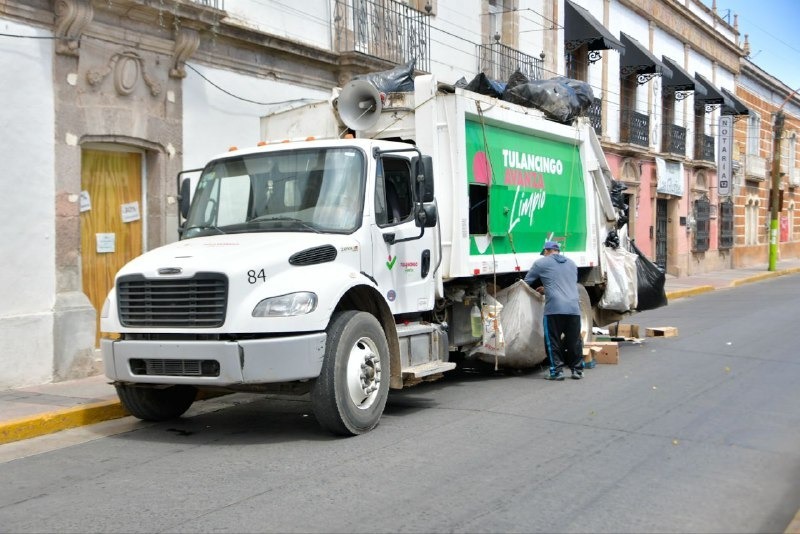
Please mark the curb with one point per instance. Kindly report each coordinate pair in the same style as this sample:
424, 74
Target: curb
764, 276
76, 416
48, 423
690, 292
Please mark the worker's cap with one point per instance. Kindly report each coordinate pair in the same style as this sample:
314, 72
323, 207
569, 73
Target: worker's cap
551, 245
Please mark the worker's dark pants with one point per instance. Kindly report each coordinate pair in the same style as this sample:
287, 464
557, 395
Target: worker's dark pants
567, 350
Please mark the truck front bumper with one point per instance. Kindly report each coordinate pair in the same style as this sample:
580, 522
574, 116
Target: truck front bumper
215, 363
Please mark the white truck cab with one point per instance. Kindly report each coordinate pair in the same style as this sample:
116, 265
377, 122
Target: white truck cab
288, 251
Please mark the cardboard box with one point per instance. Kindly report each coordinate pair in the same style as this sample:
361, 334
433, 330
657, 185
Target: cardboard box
608, 353
589, 353
624, 330
662, 331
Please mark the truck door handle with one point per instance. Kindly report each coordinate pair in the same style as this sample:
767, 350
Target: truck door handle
425, 263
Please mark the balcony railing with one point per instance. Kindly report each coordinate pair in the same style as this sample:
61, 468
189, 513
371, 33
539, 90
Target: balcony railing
385, 29
704, 150
675, 139
595, 114
498, 62
216, 4
635, 128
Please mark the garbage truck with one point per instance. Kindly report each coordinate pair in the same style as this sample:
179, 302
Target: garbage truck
347, 253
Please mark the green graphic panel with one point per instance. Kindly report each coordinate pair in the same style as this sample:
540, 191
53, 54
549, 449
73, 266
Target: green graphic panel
536, 190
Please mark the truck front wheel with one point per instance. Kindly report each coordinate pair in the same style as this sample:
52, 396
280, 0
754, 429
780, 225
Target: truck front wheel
349, 396
152, 404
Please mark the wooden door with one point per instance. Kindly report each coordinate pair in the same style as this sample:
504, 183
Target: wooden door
111, 219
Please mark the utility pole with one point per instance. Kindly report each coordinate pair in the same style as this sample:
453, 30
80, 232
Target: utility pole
774, 198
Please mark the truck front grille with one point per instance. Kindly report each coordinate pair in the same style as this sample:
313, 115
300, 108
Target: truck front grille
158, 367
197, 302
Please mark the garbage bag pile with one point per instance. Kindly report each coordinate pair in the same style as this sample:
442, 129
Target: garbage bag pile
561, 99
397, 80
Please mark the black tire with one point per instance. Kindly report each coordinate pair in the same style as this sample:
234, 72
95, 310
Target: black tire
152, 404
356, 360
587, 314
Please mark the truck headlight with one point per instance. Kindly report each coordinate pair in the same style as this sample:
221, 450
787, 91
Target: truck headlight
286, 305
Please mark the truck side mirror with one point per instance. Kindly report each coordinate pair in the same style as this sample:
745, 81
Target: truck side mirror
183, 197
423, 169
184, 185
428, 216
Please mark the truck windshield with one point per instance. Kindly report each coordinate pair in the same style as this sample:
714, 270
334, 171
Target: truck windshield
311, 190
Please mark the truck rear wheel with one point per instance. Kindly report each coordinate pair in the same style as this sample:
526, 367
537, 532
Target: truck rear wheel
350, 394
587, 315
152, 404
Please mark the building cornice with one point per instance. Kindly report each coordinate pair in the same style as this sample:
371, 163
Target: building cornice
753, 71
189, 31
674, 18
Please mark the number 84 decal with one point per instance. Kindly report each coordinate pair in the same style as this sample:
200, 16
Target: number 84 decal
253, 276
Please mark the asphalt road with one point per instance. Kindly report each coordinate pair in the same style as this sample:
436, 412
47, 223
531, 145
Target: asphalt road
694, 433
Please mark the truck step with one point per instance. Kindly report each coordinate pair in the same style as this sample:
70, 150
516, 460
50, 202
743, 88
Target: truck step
427, 369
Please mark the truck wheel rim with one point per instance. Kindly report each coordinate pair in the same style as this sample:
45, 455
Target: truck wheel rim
363, 373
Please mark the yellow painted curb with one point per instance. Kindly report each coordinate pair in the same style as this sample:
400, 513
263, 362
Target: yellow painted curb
39, 425
680, 293
764, 276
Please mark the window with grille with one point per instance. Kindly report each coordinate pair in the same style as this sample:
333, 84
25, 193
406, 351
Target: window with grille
702, 212
577, 63
726, 224
753, 134
751, 221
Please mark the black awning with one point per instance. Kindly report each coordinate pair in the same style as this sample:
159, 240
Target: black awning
639, 60
580, 27
712, 96
732, 105
680, 80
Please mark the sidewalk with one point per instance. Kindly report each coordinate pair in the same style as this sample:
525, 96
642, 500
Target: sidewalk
38, 410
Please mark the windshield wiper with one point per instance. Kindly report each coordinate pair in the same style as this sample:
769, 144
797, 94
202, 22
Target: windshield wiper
204, 228
304, 224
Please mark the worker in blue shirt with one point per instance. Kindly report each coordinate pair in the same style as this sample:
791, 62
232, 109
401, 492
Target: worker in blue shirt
562, 311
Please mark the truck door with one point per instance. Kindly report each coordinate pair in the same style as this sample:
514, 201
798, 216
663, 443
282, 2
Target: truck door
402, 262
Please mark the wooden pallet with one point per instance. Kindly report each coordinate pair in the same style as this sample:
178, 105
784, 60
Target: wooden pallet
662, 331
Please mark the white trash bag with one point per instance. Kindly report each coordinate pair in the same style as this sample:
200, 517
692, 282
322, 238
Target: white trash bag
492, 338
621, 280
522, 326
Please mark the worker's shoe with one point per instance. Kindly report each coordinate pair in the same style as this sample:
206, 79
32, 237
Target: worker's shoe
577, 374
554, 375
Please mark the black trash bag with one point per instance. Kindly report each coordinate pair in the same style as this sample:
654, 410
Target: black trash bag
484, 85
617, 198
556, 98
515, 80
397, 80
583, 92
650, 292
612, 240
